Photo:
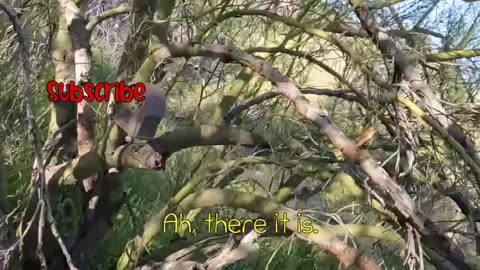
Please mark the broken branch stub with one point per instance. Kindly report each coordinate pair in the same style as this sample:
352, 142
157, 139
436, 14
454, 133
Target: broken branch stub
140, 120
149, 156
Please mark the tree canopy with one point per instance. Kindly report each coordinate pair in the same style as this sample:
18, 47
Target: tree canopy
337, 133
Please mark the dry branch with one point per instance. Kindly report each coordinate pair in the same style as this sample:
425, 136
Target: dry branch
229, 255
106, 15
332, 27
234, 112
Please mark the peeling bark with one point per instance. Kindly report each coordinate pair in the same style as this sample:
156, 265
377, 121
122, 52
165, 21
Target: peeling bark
83, 63
61, 138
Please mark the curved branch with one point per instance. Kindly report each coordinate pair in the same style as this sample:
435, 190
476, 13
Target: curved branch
431, 102
361, 97
312, 59
333, 27
94, 21
234, 112
205, 135
384, 4
317, 33
325, 239
175, 265
357, 31
259, 12
153, 154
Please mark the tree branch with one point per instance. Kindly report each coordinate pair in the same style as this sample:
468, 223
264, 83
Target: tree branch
361, 97
177, 265
106, 15
39, 180
453, 55
383, 4
333, 27
234, 112
153, 154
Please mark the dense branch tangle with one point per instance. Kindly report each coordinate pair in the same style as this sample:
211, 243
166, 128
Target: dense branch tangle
108, 166
426, 94
341, 142
387, 45
395, 197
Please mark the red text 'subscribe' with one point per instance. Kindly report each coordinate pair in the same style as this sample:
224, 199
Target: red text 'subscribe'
73, 93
